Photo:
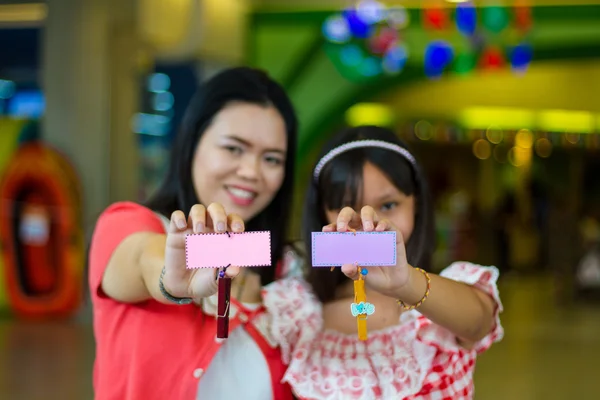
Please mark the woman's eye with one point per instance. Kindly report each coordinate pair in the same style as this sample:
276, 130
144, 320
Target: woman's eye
389, 206
234, 149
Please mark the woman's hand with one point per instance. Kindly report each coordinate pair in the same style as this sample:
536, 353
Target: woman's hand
386, 280
201, 282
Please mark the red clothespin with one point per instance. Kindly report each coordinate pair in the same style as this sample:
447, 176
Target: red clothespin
224, 296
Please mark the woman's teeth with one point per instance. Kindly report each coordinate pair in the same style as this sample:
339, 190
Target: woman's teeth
241, 193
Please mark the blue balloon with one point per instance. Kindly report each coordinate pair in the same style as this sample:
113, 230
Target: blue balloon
466, 18
521, 55
438, 55
358, 27
395, 59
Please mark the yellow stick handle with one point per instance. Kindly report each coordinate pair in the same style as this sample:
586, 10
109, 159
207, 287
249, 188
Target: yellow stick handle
361, 320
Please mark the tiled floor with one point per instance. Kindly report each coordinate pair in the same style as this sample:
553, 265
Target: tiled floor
549, 353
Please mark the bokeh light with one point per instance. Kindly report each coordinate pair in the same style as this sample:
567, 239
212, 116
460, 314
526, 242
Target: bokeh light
519, 156
398, 17
494, 134
159, 83
482, 149
543, 147
395, 59
351, 55
370, 11
424, 130
336, 29
572, 138
524, 139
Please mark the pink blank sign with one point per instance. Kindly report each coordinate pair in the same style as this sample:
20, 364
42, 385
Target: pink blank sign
215, 250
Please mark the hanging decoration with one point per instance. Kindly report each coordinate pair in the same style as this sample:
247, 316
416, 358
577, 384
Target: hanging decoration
438, 55
495, 18
436, 16
466, 18
492, 58
484, 30
366, 41
520, 57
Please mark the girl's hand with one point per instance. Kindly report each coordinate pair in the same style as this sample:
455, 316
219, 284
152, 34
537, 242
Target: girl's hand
201, 282
386, 280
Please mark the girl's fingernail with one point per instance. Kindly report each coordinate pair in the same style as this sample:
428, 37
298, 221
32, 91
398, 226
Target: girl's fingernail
181, 224
198, 227
341, 226
368, 225
237, 226
221, 227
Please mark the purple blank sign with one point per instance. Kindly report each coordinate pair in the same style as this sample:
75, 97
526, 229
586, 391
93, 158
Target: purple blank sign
332, 249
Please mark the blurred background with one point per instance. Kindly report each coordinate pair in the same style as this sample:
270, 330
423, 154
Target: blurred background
499, 99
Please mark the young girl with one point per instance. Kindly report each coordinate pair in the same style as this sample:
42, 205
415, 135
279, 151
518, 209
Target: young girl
427, 329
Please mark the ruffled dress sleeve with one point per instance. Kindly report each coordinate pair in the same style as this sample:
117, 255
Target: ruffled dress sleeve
483, 278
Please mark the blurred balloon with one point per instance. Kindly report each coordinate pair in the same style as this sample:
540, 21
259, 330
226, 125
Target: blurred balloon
523, 18
380, 43
370, 11
466, 18
521, 56
436, 17
492, 58
351, 55
395, 59
358, 27
465, 62
370, 67
336, 29
495, 18
398, 17
438, 55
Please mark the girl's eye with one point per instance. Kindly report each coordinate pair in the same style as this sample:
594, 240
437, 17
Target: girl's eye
273, 160
390, 205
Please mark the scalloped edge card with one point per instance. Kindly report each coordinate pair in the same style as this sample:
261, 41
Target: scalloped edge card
333, 249
216, 250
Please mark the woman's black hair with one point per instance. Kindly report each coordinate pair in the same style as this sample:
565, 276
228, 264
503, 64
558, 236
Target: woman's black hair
340, 185
241, 84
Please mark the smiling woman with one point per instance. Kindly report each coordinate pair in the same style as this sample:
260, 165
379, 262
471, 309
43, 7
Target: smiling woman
231, 169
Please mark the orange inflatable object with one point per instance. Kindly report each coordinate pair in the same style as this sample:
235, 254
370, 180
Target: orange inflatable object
41, 235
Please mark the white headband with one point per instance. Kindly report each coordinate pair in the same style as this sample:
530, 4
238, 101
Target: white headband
357, 145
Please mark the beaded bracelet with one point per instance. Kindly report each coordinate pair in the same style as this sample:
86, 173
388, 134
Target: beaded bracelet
404, 306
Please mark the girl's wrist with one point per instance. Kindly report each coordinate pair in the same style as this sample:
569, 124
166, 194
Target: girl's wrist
414, 288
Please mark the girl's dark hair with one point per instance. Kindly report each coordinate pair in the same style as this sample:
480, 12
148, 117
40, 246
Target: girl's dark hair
340, 185
241, 84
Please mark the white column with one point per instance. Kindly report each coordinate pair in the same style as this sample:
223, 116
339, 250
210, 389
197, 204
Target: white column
89, 80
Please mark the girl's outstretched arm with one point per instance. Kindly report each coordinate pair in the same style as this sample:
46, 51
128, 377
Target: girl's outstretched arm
461, 308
